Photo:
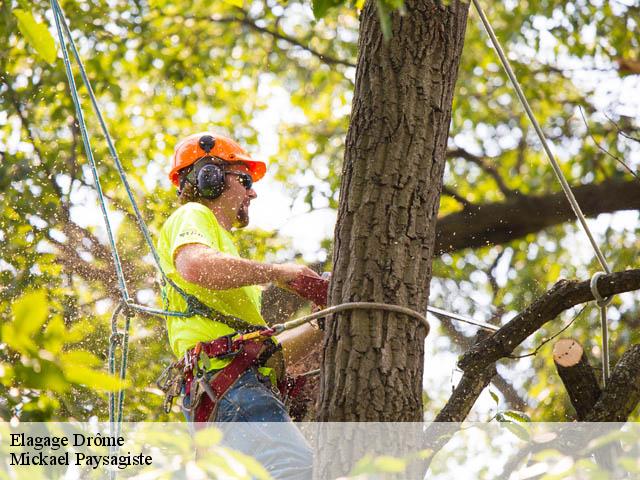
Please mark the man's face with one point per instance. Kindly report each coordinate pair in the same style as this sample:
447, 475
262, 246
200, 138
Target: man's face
236, 197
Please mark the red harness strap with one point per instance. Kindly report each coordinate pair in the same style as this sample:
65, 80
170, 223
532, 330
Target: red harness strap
225, 378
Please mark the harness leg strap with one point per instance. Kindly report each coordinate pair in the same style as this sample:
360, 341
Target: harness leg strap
223, 380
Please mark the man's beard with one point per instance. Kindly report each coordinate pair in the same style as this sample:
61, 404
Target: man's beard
242, 217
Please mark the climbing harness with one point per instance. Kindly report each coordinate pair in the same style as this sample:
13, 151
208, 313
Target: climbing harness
203, 388
566, 188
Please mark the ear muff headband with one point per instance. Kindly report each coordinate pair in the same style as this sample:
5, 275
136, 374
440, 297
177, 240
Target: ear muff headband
207, 177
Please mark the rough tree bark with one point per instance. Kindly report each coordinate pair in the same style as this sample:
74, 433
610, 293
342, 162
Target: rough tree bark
391, 183
392, 177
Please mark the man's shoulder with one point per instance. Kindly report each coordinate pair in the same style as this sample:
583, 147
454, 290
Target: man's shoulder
191, 221
191, 210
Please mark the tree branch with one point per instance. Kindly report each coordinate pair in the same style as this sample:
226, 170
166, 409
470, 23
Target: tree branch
622, 394
616, 403
502, 222
510, 394
604, 150
484, 165
277, 34
577, 376
465, 394
447, 422
457, 197
562, 296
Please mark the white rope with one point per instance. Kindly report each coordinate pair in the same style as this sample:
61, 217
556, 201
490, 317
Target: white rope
602, 304
438, 312
556, 168
281, 327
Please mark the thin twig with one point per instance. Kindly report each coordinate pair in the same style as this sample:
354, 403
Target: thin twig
604, 150
547, 340
251, 23
621, 131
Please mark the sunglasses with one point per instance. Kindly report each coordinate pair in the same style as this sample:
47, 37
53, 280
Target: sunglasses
245, 179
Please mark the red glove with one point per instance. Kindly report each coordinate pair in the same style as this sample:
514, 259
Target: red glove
314, 289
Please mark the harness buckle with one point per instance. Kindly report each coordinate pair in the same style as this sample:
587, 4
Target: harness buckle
232, 353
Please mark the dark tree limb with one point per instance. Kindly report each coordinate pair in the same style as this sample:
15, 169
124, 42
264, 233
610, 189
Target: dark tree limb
622, 394
562, 296
517, 216
465, 394
485, 166
577, 375
448, 421
450, 192
510, 394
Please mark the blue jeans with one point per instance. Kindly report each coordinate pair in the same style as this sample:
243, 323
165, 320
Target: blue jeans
263, 429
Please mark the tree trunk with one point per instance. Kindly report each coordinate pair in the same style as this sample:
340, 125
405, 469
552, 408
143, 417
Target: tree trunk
391, 180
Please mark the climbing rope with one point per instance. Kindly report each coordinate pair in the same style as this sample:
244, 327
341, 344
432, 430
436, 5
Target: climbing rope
602, 305
566, 188
118, 339
192, 303
87, 146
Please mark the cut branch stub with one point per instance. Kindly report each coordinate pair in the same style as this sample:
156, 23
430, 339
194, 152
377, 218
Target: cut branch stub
577, 375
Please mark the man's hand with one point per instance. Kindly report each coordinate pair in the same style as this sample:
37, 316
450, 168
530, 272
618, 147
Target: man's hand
287, 272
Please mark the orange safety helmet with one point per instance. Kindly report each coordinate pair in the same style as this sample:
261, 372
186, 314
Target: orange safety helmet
207, 144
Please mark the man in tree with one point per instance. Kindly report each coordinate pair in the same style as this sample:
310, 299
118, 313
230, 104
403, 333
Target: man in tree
224, 376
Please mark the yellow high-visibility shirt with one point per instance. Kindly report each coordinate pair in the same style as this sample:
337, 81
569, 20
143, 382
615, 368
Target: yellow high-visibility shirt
195, 223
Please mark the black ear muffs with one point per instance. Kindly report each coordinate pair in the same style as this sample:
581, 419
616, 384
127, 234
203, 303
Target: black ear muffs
207, 177
210, 181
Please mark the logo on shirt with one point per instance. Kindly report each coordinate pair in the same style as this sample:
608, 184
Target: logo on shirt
191, 233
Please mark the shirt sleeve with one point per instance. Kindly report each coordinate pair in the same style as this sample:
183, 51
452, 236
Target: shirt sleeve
194, 224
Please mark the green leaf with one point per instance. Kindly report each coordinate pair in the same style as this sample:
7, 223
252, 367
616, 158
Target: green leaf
30, 311
517, 429
54, 335
495, 397
93, 379
518, 416
384, 463
80, 358
37, 35
208, 436
254, 468
390, 464
235, 3
321, 7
